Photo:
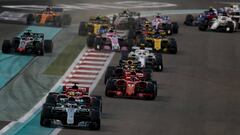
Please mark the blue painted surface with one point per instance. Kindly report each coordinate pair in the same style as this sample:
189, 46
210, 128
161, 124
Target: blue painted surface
32, 125
34, 128
12, 64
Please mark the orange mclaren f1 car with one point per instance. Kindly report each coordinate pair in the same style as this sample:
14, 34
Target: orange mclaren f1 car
52, 16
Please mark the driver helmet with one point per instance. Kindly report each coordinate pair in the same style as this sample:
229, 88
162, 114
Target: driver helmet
142, 46
111, 29
75, 86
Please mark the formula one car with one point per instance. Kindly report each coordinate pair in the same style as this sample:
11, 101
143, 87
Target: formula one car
108, 41
28, 43
72, 109
131, 86
96, 25
205, 16
126, 24
52, 16
145, 57
125, 68
166, 24
157, 40
221, 24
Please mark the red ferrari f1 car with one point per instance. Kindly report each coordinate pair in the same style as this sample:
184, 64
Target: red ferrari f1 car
130, 83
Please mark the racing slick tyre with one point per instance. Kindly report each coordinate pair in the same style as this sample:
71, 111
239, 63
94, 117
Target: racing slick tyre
48, 46
67, 19
83, 29
6, 46
159, 63
96, 122
98, 44
109, 87
168, 28
45, 115
90, 41
203, 26
51, 98
97, 103
123, 45
38, 18
109, 73
30, 19
155, 87
58, 21
124, 55
175, 27
172, 47
131, 23
230, 27
147, 74
189, 20
151, 87
39, 48
15, 42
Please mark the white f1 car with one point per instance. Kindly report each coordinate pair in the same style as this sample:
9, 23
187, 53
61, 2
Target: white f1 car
145, 57
221, 24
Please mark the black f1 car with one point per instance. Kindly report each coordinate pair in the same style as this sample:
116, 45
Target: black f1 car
28, 43
72, 109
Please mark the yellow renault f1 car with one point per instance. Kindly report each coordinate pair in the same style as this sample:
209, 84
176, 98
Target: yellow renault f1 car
96, 25
52, 16
158, 41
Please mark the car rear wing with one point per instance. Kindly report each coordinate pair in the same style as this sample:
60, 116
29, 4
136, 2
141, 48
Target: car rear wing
138, 48
83, 90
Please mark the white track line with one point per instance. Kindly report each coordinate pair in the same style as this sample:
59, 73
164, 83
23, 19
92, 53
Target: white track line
94, 58
79, 85
79, 80
82, 75
88, 66
85, 71
97, 53
91, 62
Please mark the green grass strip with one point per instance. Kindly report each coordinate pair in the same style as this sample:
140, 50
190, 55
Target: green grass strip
66, 58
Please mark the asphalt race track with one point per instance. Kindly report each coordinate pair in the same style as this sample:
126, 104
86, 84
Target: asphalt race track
198, 91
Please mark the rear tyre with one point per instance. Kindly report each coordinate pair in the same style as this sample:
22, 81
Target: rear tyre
15, 42
230, 27
48, 46
30, 19
96, 124
39, 50
67, 19
90, 41
58, 21
203, 26
109, 86
172, 46
109, 73
175, 27
159, 63
45, 115
6, 46
189, 20
98, 43
83, 29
